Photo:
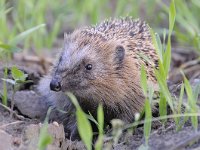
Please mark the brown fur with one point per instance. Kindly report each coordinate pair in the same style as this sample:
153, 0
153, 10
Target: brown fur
114, 80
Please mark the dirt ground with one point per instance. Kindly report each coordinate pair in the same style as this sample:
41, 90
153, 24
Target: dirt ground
21, 131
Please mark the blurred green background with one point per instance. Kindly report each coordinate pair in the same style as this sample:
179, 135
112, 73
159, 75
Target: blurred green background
19, 18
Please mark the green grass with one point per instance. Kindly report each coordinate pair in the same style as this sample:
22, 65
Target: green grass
187, 28
164, 53
45, 138
19, 16
4, 95
148, 92
19, 78
84, 126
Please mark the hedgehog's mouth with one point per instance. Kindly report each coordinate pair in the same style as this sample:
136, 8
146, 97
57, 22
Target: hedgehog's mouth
74, 87
69, 87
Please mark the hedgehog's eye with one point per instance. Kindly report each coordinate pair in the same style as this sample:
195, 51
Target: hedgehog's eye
88, 67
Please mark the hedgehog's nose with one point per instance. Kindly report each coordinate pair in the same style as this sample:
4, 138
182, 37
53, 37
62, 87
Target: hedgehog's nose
55, 85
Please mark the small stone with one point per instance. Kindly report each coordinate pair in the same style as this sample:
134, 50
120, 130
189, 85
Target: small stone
29, 103
56, 123
40, 124
137, 116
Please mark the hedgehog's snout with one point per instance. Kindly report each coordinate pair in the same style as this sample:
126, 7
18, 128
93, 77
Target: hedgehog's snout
55, 84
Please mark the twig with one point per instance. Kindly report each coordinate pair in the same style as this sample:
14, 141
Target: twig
129, 126
12, 123
35, 59
186, 71
184, 67
190, 63
187, 142
14, 113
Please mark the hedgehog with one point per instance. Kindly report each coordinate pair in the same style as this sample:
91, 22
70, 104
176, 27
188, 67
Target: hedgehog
101, 65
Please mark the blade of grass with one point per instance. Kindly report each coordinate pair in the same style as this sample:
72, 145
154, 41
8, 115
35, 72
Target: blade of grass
192, 102
180, 102
5, 96
167, 54
164, 89
155, 43
148, 116
84, 126
24, 34
100, 118
163, 106
44, 138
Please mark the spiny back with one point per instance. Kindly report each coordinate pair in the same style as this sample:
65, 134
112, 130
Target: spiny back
119, 29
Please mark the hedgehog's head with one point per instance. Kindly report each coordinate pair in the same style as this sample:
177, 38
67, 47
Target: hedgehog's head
88, 65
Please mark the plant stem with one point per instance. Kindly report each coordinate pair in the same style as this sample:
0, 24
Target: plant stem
4, 97
14, 113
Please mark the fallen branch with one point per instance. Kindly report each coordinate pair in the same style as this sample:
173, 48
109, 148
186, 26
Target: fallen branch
11, 111
12, 123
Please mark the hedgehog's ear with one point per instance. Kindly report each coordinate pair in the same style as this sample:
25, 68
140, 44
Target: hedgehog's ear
119, 54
